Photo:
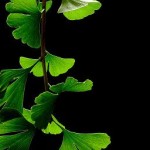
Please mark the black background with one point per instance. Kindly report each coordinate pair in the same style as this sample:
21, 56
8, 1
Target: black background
99, 45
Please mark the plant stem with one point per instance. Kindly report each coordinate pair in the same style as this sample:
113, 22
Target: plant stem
43, 41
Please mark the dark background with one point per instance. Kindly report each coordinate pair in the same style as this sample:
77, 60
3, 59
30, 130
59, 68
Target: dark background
99, 44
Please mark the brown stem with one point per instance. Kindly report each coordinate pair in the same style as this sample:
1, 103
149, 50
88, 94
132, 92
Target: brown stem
43, 35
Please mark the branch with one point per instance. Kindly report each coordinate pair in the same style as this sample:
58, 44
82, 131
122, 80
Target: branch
43, 35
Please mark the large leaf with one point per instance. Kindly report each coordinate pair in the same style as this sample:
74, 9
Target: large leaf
57, 65
84, 141
72, 85
15, 133
25, 17
78, 9
14, 95
41, 112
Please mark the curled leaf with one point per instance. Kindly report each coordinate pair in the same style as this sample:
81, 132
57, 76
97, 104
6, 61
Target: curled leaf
78, 9
72, 85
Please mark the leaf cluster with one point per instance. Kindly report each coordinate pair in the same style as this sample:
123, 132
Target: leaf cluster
18, 124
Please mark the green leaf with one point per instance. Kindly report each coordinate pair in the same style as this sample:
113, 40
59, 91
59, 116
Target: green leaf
27, 115
57, 65
84, 141
78, 9
52, 128
14, 95
28, 62
25, 17
41, 112
8, 75
15, 133
72, 85
48, 5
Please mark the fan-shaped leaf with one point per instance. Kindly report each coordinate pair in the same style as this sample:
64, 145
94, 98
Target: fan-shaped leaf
41, 112
84, 141
57, 65
52, 128
27, 115
72, 85
25, 17
15, 133
14, 94
8, 75
78, 9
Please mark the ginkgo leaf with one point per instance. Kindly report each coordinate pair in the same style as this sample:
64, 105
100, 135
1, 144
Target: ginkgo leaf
8, 75
72, 85
84, 141
14, 95
41, 112
57, 65
78, 9
27, 115
28, 62
54, 127
15, 133
48, 5
25, 17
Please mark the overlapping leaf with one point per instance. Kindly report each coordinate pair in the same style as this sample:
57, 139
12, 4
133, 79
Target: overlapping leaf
25, 17
84, 141
78, 9
7, 76
54, 127
27, 115
13, 80
41, 112
15, 132
56, 65
72, 85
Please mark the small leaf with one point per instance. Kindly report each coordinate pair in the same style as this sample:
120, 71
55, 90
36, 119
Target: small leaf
25, 17
16, 133
72, 85
28, 62
14, 95
57, 65
48, 5
84, 141
41, 112
78, 9
52, 128
27, 115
